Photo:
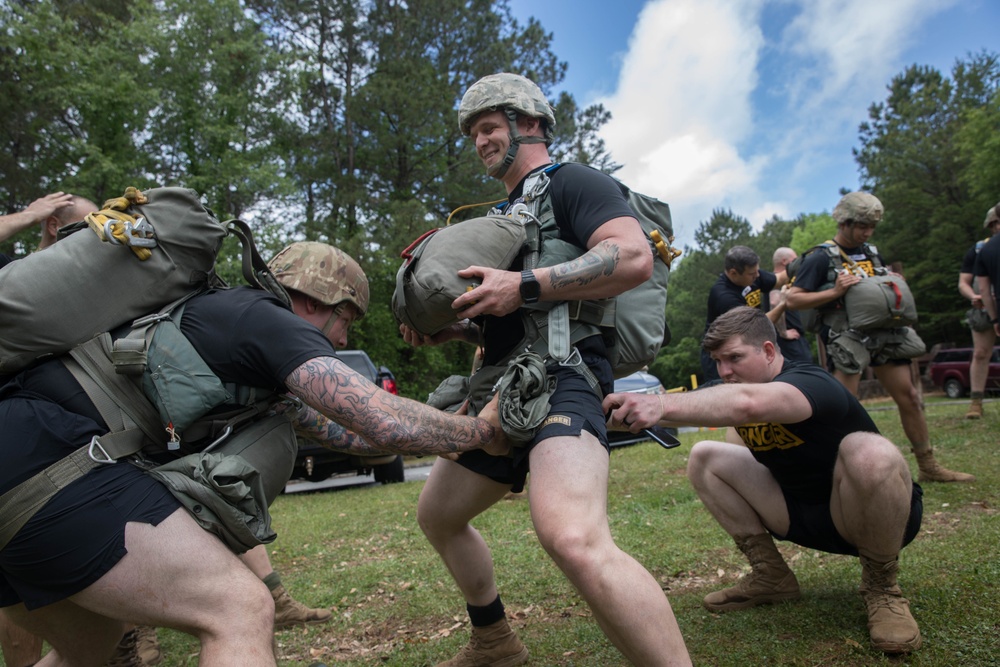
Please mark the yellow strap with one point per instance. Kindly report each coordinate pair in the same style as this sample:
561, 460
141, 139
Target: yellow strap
462, 208
114, 210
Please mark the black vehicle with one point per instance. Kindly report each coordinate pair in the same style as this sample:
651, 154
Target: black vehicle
315, 463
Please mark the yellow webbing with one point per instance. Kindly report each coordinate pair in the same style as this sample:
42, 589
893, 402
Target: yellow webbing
462, 208
114, 209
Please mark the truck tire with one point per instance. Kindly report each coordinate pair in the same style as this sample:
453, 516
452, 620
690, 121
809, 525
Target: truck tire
953, 388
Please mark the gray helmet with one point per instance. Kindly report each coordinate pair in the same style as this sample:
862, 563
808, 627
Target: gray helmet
858, 207
322, 272
993, 215
506, 91
512, 94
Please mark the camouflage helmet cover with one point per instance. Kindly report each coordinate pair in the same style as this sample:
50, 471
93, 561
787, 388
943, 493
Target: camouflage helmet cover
322, 272
858, 207
993, 215
505, 90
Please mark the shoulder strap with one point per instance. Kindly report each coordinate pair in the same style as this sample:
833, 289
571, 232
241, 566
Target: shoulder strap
130, 417
255, 269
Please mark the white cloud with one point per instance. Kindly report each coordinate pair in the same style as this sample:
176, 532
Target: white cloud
684, 121
683, 103
855, 45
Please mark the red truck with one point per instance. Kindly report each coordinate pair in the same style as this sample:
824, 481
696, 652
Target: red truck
949, 369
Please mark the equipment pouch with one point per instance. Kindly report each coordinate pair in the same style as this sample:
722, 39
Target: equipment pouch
227, 490
978, 319
177, 380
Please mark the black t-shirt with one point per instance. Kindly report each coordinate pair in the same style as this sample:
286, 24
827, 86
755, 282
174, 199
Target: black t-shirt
5, 260
988, 260
245, 335
801, 456
969, 260
583, 199
988, 264
726, 295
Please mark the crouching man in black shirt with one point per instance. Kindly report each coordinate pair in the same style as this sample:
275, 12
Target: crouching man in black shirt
812, 469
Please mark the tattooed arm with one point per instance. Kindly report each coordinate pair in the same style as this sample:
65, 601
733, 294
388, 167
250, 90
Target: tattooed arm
618, 258
388, 423
313, 426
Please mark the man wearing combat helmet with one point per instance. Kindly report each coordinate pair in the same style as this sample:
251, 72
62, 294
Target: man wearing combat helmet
138, 555
822, 282
511, 125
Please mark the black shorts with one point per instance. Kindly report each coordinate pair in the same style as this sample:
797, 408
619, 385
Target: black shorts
573, 408
79, 535
810, 525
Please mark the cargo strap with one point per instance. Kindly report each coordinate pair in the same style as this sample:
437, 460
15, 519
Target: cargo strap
113, 225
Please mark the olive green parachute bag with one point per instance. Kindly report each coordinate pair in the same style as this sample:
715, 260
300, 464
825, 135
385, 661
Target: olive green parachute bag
142, 250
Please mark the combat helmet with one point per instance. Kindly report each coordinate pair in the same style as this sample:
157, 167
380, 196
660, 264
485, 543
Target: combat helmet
861, 207
993, 215
513, 94
322, 272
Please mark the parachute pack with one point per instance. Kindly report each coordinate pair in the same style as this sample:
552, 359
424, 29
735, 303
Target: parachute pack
129, 268
879, 301
633, 324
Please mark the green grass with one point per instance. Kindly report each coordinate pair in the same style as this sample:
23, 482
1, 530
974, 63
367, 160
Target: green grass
361, 553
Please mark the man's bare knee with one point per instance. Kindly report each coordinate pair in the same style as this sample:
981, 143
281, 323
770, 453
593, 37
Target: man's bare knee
871, 457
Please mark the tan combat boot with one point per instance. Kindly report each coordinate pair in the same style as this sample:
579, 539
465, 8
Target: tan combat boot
932, 471
147, 645
126, 653
769, 579
288, 611
890, 623
975, 409
494, 645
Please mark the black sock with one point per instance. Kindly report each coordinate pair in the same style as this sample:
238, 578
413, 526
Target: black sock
488, 615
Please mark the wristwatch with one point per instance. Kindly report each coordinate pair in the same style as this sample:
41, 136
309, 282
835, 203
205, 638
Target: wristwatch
530, 287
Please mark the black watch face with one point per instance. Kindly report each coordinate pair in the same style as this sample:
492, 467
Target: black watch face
530, 289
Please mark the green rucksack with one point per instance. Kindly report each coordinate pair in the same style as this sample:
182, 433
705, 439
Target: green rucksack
143, 250
879, 301
633, 324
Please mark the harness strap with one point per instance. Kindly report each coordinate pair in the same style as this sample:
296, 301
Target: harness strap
116, 397
19, 504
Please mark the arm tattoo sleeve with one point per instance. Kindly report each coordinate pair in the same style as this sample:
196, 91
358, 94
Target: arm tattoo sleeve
387, 422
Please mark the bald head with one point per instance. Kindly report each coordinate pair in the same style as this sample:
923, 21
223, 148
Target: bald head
782, 258
75, 212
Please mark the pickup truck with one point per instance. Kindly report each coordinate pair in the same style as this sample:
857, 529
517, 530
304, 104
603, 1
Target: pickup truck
949, 369
315, 463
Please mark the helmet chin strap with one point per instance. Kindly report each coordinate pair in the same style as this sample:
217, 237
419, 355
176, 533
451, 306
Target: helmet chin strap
334, 316
516, 139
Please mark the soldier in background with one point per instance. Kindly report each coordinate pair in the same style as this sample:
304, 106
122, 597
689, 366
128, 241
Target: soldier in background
822, 281
983, 335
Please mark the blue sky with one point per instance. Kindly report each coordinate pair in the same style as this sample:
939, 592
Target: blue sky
752, 105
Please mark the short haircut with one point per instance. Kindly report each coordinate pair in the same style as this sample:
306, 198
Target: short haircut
741, 258
749, 323
783, 254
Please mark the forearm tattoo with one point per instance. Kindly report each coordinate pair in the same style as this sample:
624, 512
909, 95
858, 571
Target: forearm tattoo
327, 433
601, 260
387, 422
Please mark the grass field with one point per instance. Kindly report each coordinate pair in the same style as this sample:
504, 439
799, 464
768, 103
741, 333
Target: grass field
361, 553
